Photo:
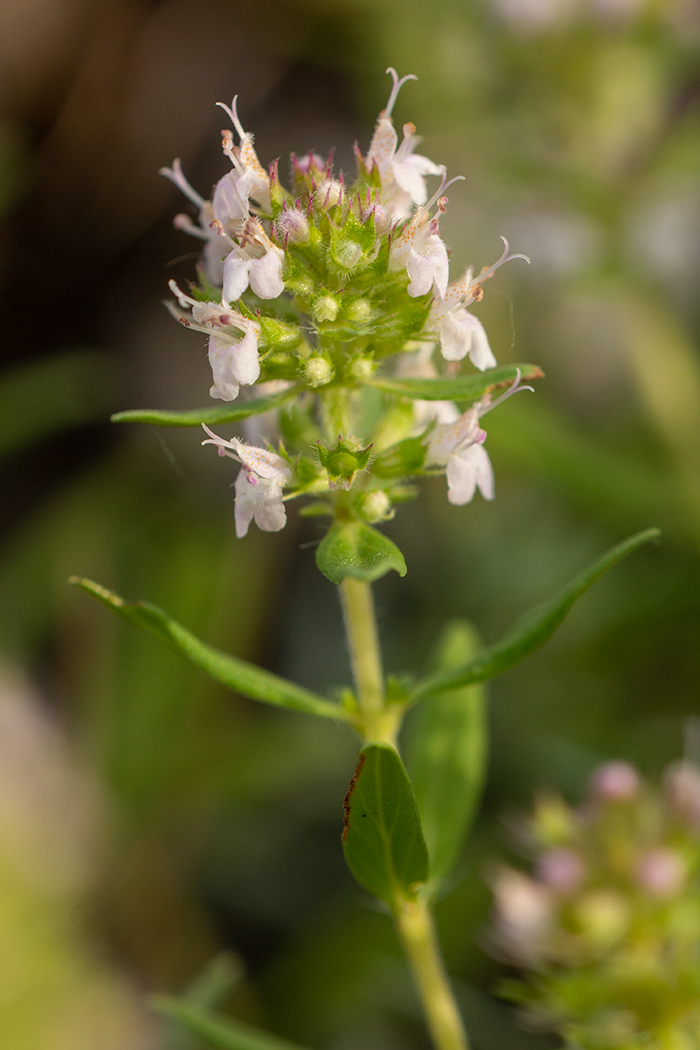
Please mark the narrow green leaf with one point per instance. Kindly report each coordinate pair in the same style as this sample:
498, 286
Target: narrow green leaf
219, 1032
461, 388
532, 630
235, 674
447, 755
382, 838
195, 416
358, 550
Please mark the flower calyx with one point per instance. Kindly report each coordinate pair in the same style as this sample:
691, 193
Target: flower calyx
343, 462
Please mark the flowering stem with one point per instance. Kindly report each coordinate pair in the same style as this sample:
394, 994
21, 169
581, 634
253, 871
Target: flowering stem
417, 933
366, 661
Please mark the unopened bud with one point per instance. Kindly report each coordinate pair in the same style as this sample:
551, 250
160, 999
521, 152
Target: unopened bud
325, 308
602, 916
362, 369
347, 253
329, 193
562, 870
292, 225
318, 371
376, 506
360, 312
615, 782
682, 784
660, 872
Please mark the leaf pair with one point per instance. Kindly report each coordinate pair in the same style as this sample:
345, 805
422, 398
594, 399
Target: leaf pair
529, 633
461, 388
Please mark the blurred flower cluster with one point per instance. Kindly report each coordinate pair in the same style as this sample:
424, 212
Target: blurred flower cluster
609, 923
304, 292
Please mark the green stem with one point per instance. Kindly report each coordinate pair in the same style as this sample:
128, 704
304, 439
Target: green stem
417, 932
378, 722
365, 656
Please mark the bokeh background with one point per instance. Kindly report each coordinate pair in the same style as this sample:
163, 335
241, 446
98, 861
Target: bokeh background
149, 820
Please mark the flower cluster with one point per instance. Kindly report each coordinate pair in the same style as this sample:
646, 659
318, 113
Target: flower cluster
322, 292
610, 921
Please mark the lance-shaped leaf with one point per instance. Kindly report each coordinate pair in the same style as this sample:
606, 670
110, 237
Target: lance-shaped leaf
382, 838
461, 388
532, 630
193, 417
238, 675
446, 755
216, 1031
358, 550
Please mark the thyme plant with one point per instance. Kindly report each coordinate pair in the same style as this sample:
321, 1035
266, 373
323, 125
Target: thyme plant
606, 930
338, 342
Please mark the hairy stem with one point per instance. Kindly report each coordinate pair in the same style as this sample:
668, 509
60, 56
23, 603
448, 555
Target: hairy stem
417, 932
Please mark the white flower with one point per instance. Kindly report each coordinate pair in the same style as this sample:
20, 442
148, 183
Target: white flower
258, 486
461, 333
233, 364
217, 219
234, 361
255, 260
402, 172
251, 179
422, 253
459, 448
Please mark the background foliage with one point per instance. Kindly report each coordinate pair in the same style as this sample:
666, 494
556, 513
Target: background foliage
149, 819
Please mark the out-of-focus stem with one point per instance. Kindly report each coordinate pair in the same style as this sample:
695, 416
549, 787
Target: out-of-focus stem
417, 932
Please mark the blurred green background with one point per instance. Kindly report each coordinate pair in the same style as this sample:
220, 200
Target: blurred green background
149, 820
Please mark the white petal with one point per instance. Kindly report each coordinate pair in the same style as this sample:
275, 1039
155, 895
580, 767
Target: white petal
236, 274
244, 506
480, 354
214, 252
465, 471
258, 498
447, 437
427, 265
228, 203
245, 363
424, 165
270, 513
455, 339
221, 356
266, 274
264, 463
383, 145
410, 180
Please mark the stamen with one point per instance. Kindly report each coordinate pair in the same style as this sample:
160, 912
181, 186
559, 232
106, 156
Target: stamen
443, 186
515, 388
398, 84
233, 114
184, 300
184, 222
490, 270
176, 176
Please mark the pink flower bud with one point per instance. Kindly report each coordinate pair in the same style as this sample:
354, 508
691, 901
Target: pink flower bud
660, 872
615, 782
562, 870
292, 225
682, 784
